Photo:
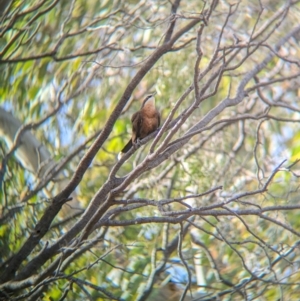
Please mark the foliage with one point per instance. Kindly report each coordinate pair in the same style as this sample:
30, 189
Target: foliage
206, 207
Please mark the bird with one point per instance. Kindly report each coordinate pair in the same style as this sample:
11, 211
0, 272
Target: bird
144, 122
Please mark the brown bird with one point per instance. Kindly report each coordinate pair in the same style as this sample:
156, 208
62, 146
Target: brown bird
144, 122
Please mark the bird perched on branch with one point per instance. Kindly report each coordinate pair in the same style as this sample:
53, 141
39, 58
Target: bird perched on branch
144, 122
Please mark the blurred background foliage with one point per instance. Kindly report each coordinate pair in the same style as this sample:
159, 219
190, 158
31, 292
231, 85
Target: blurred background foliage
76, 58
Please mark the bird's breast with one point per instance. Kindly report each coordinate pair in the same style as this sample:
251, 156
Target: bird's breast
149, 125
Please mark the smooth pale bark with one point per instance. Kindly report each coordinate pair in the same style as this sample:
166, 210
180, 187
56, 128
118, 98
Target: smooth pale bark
31, 153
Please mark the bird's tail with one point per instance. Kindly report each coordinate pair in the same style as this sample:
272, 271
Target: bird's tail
125, 149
